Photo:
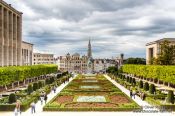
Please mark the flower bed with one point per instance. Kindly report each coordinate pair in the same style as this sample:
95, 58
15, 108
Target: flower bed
99, 96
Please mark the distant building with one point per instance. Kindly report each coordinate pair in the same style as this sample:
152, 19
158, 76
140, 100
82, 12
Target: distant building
153, 48
10, 35
83, 64
73, 63
27, 53
41, 58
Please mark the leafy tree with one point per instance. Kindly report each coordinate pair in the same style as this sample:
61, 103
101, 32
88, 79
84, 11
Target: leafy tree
141, 84
12, 98
166, 55
146, 86
112, 69
152, 89
170, 96
135, 61
29, 89
35, 86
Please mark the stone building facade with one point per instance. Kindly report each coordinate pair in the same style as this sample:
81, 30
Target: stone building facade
10, 35
153, 48
43, 58
27, 53
72, 63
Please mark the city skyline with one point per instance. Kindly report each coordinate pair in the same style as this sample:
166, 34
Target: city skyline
114, 27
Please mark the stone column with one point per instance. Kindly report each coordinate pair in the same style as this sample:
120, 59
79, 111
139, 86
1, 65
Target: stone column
10, 39
19, 40
6, 37
1, 36
14, 40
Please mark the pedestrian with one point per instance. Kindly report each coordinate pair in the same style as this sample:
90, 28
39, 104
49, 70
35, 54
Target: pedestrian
131, 93
16, 112
18, 105
45, 98
42, 97
54, 89
134, 93
33, 107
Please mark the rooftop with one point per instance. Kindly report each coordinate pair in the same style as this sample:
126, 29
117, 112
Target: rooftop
160, 40
10, 7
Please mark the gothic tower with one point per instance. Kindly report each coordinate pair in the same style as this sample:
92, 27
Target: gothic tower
89, 50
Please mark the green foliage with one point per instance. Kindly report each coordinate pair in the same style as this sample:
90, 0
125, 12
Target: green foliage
47, 81
167, 54
12, 74
140, 84
170, 97
152, 89
40, 84
133, 81
160, 72
112, 69
12, 98
135, 61
146, 86
30, 89
35, 86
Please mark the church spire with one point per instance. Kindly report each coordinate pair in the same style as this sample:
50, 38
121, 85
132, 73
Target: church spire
89, 49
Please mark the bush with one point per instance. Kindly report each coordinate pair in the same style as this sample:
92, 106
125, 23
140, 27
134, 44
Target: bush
35, 86
29, 89
134, 81
152, 89
127, 79
130, 80
12, 98
52, 80
40, 84
146, 86
141, 84
170, 97
47, 81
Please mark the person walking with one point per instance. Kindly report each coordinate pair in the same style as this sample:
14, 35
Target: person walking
33, 107
134, 93
131, 93
45, 98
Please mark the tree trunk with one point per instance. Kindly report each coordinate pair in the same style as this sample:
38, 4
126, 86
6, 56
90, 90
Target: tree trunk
12, 85
18, 83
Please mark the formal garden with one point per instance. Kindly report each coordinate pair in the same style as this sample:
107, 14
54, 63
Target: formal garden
34, 81
91, 93
147, 79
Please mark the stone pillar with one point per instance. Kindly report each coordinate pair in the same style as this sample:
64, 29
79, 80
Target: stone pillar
19, 40
10, 39
6, 37
1, 36
14, 40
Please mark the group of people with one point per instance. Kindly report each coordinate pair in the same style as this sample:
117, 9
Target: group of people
133, 94
43, 97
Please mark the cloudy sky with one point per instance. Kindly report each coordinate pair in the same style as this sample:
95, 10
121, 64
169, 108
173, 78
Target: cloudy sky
114, 26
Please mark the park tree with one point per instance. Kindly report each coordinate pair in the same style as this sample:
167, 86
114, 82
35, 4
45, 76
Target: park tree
166, 55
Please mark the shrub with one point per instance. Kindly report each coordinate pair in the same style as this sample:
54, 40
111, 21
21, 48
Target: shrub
130, 80
146, 86
152, 89
29, 89
170, 97
40, 84
134, 81
47, 81
35, 86
12, 98
141, 84
51, 80
127, 79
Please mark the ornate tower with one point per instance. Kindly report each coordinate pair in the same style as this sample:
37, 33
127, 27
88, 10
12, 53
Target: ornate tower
89, 50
